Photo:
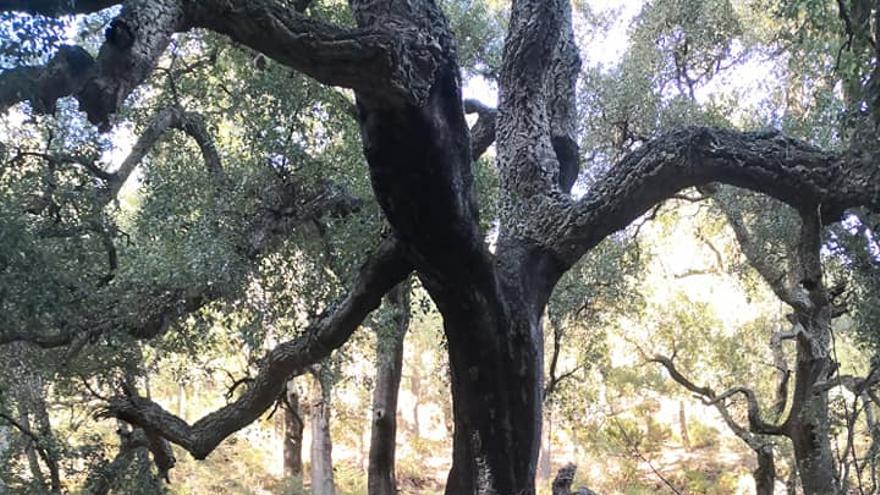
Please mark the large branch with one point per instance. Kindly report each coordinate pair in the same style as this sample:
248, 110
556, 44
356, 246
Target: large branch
389, 61
799, 174
65, 73
560, 87
134, 42
56, 7
386, 61
385, 269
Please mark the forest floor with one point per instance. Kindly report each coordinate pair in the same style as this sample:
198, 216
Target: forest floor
237, 468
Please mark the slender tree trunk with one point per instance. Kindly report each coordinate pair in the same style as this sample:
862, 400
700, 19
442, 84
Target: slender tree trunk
683, 425
545, 457
34, 416
293, 436
321, 468
30, 450
415, 387
808, 427
765, 473
389, 363
181, 401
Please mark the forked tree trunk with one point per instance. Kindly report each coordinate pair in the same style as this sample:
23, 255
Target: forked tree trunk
389, 364
293, 436
321, 467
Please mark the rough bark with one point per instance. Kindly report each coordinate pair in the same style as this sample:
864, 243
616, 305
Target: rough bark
802, 288
321, 465
381, 479
401, 62
293, 435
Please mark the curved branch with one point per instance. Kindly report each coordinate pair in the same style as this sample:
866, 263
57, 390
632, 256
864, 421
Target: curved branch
775, 276
710, 398
387, 61
385, 269
133, 43
135, 40
768, 162
172, 117
756, 424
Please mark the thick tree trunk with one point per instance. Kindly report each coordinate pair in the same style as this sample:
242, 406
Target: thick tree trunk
321, 468
293, 436
495, 342
389, 363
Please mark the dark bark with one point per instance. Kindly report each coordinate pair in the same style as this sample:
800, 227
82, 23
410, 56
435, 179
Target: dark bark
802, 288
564, 480
765, 473
293, 436
381, 478
57, 7
133, 448
321, 465
401, 63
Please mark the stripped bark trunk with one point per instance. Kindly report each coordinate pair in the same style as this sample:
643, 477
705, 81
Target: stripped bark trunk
389, 363
321, 467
